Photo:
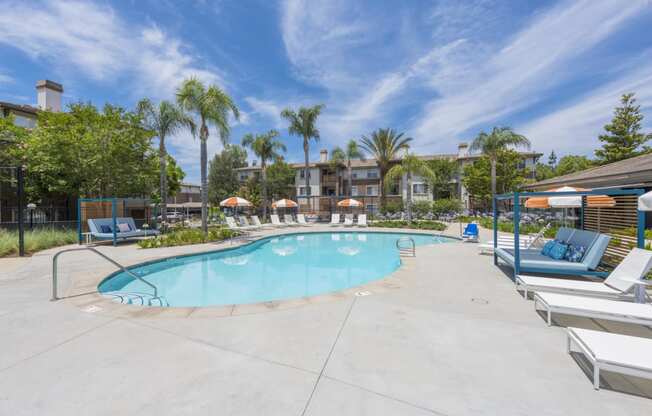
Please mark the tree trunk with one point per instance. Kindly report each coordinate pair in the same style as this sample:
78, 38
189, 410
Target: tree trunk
264, 176
306, 150
348, 168
337, 182
163, 180
204, 179
409, 197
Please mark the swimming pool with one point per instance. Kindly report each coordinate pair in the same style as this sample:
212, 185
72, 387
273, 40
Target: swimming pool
273, 268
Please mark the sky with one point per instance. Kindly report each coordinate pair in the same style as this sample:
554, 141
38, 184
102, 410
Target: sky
440, 71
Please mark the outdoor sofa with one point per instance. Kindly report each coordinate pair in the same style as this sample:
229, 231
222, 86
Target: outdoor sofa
533, 261
102, 229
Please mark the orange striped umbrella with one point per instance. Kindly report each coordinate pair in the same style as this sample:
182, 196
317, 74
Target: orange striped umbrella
284, 203
349, 203
235, 201
573, 201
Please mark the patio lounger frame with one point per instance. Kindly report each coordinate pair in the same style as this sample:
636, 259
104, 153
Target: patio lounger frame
610, 310
634, 351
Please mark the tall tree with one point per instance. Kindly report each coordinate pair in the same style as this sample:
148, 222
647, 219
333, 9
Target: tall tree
223, 180
164, 120
267, 148
572, 163
280, 179
623, 138
445, 170
303, 123
384, 145
492, 144
211, 106
477, 176
345, 156
410, 165
552, 159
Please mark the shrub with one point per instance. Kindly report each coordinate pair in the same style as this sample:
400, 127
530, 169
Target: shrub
417, 225
421, 208
35, 240
186, 236
392, 207
443, 206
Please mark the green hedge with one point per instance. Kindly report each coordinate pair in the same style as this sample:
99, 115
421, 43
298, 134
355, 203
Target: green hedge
35, 240
416, 225
187, 236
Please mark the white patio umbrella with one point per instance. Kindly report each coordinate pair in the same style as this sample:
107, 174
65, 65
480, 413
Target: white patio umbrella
349, 203
645, 202
235, 201
284, 203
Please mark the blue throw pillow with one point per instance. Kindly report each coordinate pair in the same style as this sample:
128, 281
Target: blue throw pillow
558, 251
547, 247
574, 254
105, 229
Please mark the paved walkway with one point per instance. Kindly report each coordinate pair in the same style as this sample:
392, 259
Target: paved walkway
456, 339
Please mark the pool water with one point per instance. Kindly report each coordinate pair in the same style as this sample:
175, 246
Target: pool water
273, 268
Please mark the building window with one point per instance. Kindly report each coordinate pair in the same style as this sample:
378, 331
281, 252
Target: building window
420, 189
243, 176
372, 190
354, 190
393, 190
302, 191
372, 174
521, 164
302, 174
372, 209
354, 175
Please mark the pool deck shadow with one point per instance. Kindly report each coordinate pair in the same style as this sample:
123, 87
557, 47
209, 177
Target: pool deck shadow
447, 334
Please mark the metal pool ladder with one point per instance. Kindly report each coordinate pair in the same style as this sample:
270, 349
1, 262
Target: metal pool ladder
55, 272
406, 247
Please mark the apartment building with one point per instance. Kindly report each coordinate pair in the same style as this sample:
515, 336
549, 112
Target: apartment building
328, 184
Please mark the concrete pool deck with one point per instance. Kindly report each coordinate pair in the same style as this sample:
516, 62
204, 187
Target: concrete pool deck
453, 338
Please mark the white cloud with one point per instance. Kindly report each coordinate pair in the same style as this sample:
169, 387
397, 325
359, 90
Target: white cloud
6, 79
575, 128
100, 44
269, 110
516, 76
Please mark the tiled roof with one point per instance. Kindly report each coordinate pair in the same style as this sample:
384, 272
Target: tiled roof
17, 107
634, 171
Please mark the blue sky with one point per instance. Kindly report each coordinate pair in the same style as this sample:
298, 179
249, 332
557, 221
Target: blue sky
439, 70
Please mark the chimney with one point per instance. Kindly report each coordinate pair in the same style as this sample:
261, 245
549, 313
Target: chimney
462, 150
49, 95
323, 156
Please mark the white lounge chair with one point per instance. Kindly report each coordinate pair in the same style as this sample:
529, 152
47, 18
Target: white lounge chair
230, 222
362, 220
245, 223
276, 222
610, 310
289, 220
619, 284
256, 221
301, 220
612, 352
335, 220
348, 220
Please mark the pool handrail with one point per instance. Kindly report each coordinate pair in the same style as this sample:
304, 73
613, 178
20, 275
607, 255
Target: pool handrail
55, 271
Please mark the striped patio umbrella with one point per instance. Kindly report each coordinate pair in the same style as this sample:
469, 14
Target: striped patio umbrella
573, 201
645, 202
349, 203
284, 203
235, 201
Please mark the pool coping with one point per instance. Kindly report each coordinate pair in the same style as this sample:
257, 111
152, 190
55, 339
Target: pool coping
95, 302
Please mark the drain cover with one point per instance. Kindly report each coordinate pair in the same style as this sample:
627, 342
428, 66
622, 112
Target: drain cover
480, 301
363, 293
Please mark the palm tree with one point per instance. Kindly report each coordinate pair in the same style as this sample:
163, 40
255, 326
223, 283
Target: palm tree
492, 144
210, 105
410, 165
266, 147
165, 120
303, 123
341, 156
384, 145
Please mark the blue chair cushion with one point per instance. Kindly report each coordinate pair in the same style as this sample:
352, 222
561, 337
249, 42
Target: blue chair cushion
471, 229
558, 251
106, 229
547, 247
575, 253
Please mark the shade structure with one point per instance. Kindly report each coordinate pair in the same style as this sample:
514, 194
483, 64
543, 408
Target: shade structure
349, 203
569, 201
645, 202
284, 203
235, 201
